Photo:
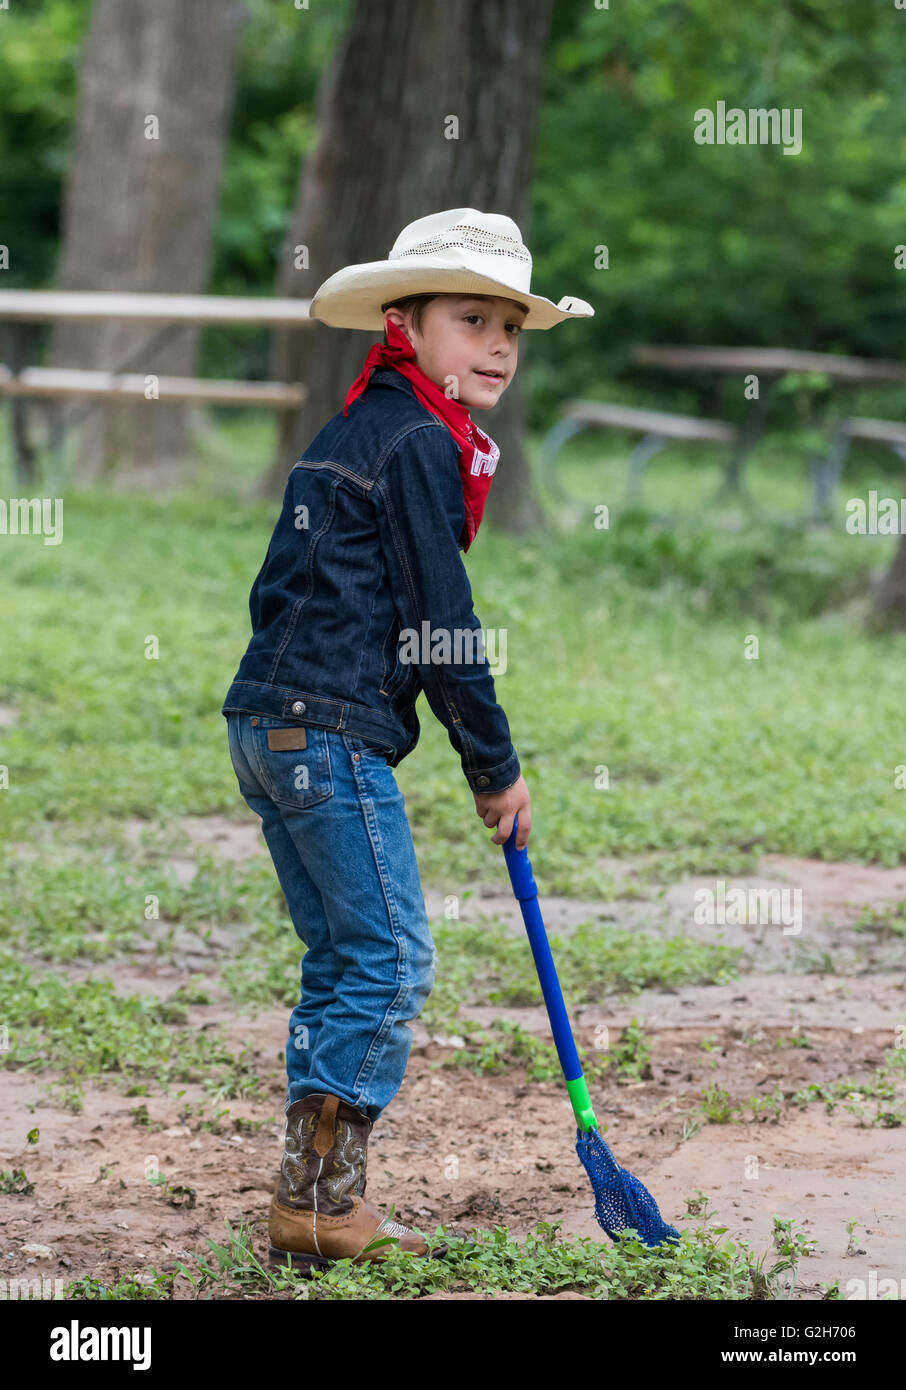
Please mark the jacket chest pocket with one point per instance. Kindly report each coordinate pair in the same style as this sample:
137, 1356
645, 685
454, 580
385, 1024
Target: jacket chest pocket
295, 777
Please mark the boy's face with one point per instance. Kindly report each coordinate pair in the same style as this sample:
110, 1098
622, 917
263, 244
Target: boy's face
463, 336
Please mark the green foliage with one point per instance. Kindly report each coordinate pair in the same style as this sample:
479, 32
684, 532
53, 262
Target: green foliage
889, 920
15, 1183
487, 964
38, 72
790, 1242
718, 573
84, 1028
771, 1104
708, 243
92, 905
632, 1054
716, 1105
129, 1288
703, 1266
508, 1044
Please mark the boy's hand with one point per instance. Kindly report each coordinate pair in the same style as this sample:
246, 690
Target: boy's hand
500, 810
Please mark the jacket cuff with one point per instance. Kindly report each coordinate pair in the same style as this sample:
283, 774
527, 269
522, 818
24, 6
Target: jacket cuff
494, 779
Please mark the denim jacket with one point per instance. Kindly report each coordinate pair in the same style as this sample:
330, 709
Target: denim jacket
368, 544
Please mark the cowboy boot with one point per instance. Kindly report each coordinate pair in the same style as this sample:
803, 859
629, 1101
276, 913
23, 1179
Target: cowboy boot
318, 1210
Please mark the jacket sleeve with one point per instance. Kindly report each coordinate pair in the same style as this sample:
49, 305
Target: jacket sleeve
420, 516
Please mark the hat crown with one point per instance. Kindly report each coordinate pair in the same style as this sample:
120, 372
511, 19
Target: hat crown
459, 235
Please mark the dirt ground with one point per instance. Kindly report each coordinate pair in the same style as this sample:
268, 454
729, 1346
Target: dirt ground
479, 1151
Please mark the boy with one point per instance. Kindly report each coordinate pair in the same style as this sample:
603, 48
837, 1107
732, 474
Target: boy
364, 557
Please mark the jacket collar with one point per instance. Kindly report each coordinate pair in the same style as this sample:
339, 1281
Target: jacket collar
389, 376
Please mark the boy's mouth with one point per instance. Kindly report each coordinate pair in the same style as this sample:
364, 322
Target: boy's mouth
490, 375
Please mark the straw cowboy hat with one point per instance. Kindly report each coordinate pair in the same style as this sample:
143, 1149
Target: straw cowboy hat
460, 251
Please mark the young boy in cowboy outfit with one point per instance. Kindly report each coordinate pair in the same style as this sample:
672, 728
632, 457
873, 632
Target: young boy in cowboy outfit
364, 558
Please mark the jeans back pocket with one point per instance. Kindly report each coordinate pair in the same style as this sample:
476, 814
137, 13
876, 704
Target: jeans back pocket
294, 777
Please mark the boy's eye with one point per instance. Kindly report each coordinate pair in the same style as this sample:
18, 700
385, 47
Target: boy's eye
517, 326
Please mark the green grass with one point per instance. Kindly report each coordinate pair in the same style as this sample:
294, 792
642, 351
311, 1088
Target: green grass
887, 921
84, 1028
507, 1044
625, 651
716, 1104
880, 1086
15, 1183
90, 909
487, 964
93, 904
702, 1267
643, 730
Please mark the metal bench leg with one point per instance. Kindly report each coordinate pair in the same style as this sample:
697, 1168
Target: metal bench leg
20, 338
732, 484
827, 473
551, 445
640, 455
750, 433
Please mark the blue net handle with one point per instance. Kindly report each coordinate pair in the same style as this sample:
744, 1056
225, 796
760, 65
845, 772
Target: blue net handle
526, 890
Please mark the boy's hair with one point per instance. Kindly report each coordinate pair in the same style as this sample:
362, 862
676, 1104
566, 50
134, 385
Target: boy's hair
418, 303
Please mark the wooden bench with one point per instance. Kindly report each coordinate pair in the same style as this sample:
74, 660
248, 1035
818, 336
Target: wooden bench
656, 427
168, 315
59, 382
827, 476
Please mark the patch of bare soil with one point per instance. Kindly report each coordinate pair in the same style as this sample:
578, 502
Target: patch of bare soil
480, 1151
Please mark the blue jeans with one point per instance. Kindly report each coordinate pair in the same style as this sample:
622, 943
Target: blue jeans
335, 823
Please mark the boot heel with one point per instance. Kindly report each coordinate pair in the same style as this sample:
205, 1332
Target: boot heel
301, 1262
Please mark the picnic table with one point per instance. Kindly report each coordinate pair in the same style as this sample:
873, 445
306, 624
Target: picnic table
774, 364
169, 314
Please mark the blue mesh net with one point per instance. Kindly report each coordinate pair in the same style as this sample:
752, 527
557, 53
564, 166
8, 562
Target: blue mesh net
620, 1199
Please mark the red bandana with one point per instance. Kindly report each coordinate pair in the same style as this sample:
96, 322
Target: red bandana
478, 454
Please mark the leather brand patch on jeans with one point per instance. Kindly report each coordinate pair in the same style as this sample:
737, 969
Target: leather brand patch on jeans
286, 738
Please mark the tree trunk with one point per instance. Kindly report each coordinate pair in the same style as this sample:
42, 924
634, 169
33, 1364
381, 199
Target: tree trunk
139, 208
383, 158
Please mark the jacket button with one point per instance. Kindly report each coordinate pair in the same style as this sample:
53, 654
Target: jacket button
482, 781
299, 707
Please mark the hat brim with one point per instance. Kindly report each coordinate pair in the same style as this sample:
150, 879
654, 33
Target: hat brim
352, 297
